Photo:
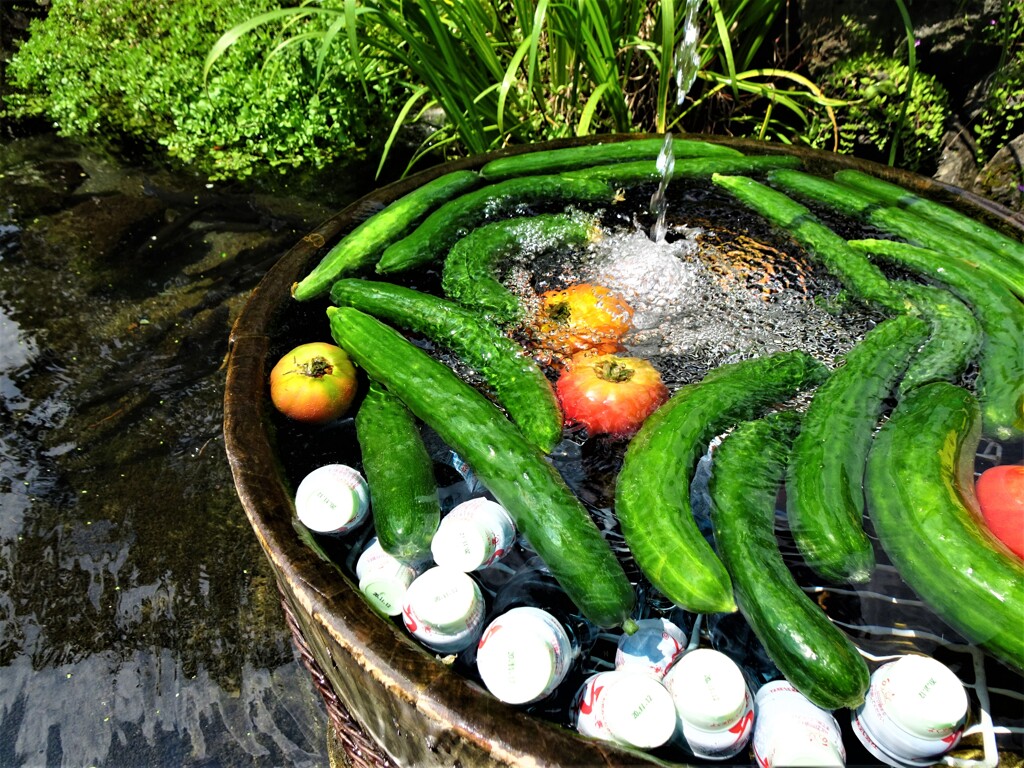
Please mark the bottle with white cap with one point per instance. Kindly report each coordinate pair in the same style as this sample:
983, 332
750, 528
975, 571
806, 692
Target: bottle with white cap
534, 639
473, 535
915, 709
444, 609
790, 730
652, 648
626, 706
713, 704
384, 579
332, 499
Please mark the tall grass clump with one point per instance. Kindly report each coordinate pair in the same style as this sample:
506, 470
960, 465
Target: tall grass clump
511, 71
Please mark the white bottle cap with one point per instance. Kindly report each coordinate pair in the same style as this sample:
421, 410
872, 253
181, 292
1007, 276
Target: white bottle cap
927, 699
652, 648
473, 535
333, 498
708, 689
445, 600
383, 579
637, 709
517, 657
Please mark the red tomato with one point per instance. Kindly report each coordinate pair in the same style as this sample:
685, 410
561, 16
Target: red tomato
581, 317
1000, 492
609, 394
315, 383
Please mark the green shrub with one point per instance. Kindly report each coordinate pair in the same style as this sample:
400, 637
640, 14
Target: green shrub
874, 87
134, 68
1002, 115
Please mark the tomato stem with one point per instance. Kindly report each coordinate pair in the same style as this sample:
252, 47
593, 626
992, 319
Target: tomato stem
317, 368
614, 371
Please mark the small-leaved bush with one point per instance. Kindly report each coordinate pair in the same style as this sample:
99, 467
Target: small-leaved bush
120, 69
1002, 115
874, 87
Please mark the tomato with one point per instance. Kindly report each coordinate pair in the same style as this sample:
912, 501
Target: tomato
314, 383
1000, 492
609, 394
580, 317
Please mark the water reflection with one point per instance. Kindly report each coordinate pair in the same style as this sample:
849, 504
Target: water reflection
139, 621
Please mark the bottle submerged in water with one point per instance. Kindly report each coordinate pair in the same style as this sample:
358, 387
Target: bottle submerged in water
444, 610
384, 579
627, 706
474, 535
534, 642
790, 730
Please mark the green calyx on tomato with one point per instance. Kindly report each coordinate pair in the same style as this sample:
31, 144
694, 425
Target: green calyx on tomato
314, 383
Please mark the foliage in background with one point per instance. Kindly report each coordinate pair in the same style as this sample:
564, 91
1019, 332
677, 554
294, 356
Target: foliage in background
1002, 115
512, 71
875, 88
120, 68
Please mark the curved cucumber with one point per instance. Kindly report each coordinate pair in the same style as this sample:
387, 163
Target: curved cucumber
568, 158
825, 483
652, 493
544, 508
430, 241
639, 171
862, 278
954, 340
943, 215
902, 223
811, 652
516, 379
920, 494
403, 493
469, 269
361, 247
1000, 382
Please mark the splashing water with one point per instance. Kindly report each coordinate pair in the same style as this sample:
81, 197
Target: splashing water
687, 60
666, 166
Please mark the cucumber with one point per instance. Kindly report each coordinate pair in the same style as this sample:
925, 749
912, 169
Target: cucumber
400, 473
862, 278
640, 171
953, 342
469, 268
361, 247
824, 487
652, 492
943, 215
901, 223
1000, 383
544, 508
517, 381
811, 652
920, 495
568, 158
430, 241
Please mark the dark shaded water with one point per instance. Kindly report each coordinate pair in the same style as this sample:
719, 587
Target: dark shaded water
139, 621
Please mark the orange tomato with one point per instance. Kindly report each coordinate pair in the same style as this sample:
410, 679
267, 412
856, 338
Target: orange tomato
609, 394
581, 317
314, 383
1000, 492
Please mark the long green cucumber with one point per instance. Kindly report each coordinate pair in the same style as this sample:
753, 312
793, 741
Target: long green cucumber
920, 494
361, 247
938, 213
568, 158
400, 473
1000, 382
639, 171
901, 223
825, 483
652, 492
954, 341
517, 381
544, 508
430, 241
862, 278
469, 275
811, 652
